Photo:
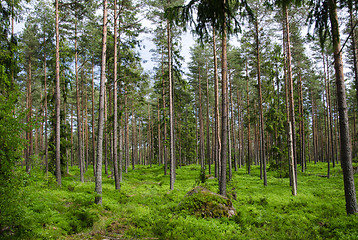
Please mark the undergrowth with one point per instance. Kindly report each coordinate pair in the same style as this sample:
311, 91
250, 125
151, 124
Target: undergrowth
146, 208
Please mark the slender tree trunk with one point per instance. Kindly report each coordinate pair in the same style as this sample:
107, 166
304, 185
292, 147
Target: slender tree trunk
248, 123
98, 188
106, 128
126, 162
262, 133
239, 129
58, 101
329, 156
354, 47
290, 147
217, 124
314, 132
115, 104
86, 128
93, 127
29, 118
201, 127
165, 121
45, 105
134, 139
160, 158
171, 112
79, 153
290, 89
224, 115
346, 153
207, 119
232, 127
71, 135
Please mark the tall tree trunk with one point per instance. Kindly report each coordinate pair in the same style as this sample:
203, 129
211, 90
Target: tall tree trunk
71, 135
126, 162
217, 123
115, 104
290, 151
134, 140
346, 153
201, 128
329, 156
354, 47
207, 119
79, 153
232, 126
29, 148
58, 102
164, 118
160, 158
106, 129
93, 127
98, 188
290, 90
224, 135
45, 106
314, 132
248, 123
330, 115
262, 132
171, 110
86, 128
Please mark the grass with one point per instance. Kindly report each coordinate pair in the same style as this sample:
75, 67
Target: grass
146, 209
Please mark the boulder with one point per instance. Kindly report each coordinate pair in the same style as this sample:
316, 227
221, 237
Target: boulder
201, 202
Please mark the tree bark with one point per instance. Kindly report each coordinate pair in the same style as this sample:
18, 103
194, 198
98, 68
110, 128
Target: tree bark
262, 132
217, 124
98, 188
207, 119
29, 148
79, 153
201, 127
346, 153
93, 127
171, 111
115, 105
58, 101
290, 90
45, 106
224, 116
248, 123
126, 162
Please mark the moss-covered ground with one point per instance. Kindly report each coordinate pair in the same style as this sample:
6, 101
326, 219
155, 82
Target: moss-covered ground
145, 208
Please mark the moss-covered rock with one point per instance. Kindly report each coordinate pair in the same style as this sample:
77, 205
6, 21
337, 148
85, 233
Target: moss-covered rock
206, 204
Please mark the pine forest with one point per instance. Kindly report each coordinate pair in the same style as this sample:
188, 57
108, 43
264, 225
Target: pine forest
173, 119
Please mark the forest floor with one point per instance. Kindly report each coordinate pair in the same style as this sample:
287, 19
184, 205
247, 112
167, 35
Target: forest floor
145, 208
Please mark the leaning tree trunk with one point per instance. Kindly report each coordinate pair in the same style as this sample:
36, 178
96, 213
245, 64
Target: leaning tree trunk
346, 153
58, 101
98, 188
